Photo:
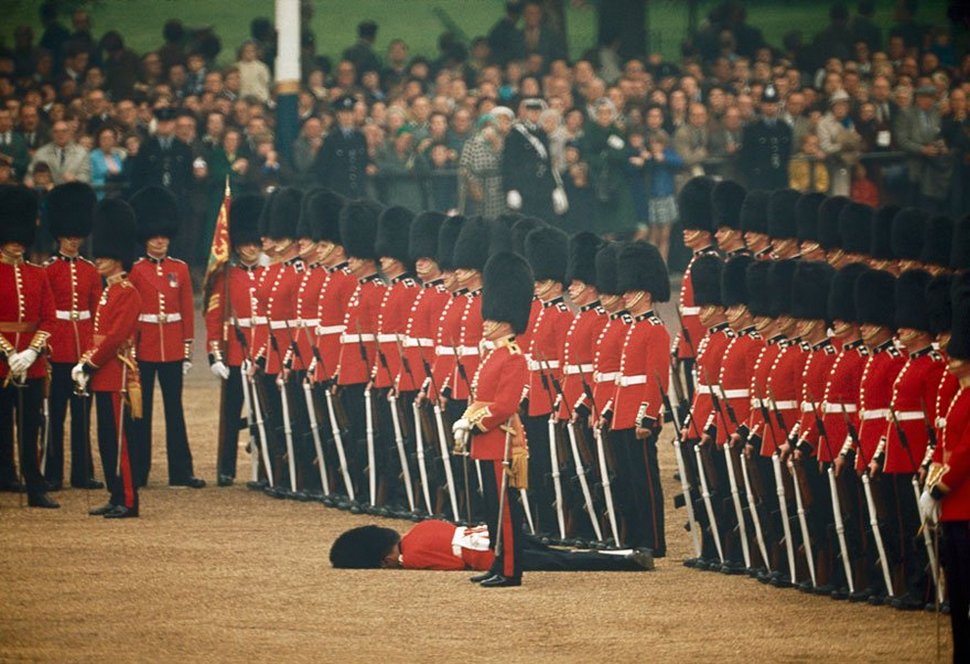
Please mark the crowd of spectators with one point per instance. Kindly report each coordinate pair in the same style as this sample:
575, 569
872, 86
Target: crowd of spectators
881, 117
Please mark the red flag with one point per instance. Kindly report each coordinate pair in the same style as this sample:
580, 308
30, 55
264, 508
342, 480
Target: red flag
219, 253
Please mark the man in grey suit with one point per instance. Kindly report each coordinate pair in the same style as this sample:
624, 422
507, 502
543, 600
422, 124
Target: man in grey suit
12, 144
930, 165
68, 161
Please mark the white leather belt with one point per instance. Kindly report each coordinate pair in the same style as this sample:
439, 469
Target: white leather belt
388, 338
573, 369
545, 365
356, 338
690, 311
608, 377
784, 405
875, 414
829, 408
72, 315
309, 322
160, 318
909, 415
459, 351
283, 324
809, 406
626, 381
700, 388
243, 322
260, 320
330, 329
417, 342
735, 394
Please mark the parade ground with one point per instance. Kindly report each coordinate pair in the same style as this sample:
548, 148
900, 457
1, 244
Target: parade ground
227, 574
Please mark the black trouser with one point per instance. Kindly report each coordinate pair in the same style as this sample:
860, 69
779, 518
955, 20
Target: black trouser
436, 460
821, 521
905, 549
464, 470
427, 457
119, 478
882, 493
21, 405
231, 406
639, 494
855, 521
61, 394
508, 561
273, 423
307, 476
176, 440
537, 557
390, 474
723, 502
956, 562
542, 491
578, 521
355, 443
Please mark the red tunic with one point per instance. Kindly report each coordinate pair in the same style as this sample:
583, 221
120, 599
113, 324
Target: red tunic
949, 386
281, 315
448, 328
307, 304
115, 324
76, 286
335, 294
264, 282
497, 382
360, 322
607, 358
815, 375
546, 339
26, 312
710, 353
842, 396
914, 404
644, 361
953, 450
243, 280
166, 325
578, 352
689, 338
734, 380
875, 393
759, 391
425, 317
438, 545
392, 321
457, 343
784, 390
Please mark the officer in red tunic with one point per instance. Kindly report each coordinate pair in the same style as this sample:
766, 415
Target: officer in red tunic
946, 497
754, 223
635, 412
107, 366
76, 285
165, 334
26, 320
229, 312
492, 417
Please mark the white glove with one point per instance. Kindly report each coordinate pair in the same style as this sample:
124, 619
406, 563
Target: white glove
219, 369
186, 367
615, 142
20, 362
461, 426
560, 204
79, 377
514, 200
929, 507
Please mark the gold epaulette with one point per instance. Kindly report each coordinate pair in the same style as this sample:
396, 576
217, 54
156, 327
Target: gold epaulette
934, 478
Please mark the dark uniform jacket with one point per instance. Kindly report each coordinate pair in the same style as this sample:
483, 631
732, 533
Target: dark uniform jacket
528, 170
341, 162
765, 151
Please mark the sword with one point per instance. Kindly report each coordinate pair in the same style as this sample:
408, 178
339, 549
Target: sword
339, 442
506, 464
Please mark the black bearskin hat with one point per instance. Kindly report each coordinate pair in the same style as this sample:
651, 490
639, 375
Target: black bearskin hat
547, 250
912, 307
909, 229
244, 213
810, 290
447, 239
842, 293
936, 243
471, 248
705, 277
829, 232
499, 236
754, 211
581, 265
113, 233
321, 212
959, 345
363, 547
640, 267
855, 227
734, 283
938, 303
263, 223
875, 298
304, 224
18, 215
69, 209
756, 285
881, 244
358, 228
284, 213
694, 204
156, 212
780, 278
393, 231
806, 216
423, 238
521, 229
960, 256
781, 214
606, 268
727, 198
507, 287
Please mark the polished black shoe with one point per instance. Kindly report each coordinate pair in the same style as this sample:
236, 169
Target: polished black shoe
840, 594
906, 602
121, 512
101, 510
732, 569
861, 595
190, 482
55, 486
276, 491
256, 485
478, 578
824, 589
225, 480
499, 581
89, 485
805, 586
878, 600
43, 501
780, 581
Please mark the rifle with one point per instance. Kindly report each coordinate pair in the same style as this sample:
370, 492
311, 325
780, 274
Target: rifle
256, 417
311, 410
398, 431
442, 442
418, 432
780, 490
603, 467
287, 423
554, 452
368, 424
462, 448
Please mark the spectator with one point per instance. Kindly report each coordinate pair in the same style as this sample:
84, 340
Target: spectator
66, 160
226, 161
955, 130
107, 162
840, 142
605, 151
863, 189
254, 75
402, 171
120, 66
540, 37
31, 128
576, 183
636, 172
362, 53
13, 145
55, 35
691, 143
806, 170
305, 149
443, 179
929, 161
343, 162
725, 144
172, 52
395, 71
505, 39
863, 28
662, 166
480, 177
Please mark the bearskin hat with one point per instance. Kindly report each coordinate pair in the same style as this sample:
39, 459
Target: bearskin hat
606, 268
393, 231
875, 298
881, 243
936, 243
18, 215
939, 303
912, 307
244, 213
358, 228
640, 267
69, 209
754, 211
694, 204
756, 285
113, 231
447, 239
471, 248
156, 212
705, 277
263, 223
810, 290
304, 225
959, 345
781, 214
284, 213
321, 212
960, 255
842, 293
507, 287
780, 278
855, 227
521, 229
829, 233
423, 237
727, 198
499, 236
909, 230
806, 216
581, 265
363, 547
734, 283
547, 250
